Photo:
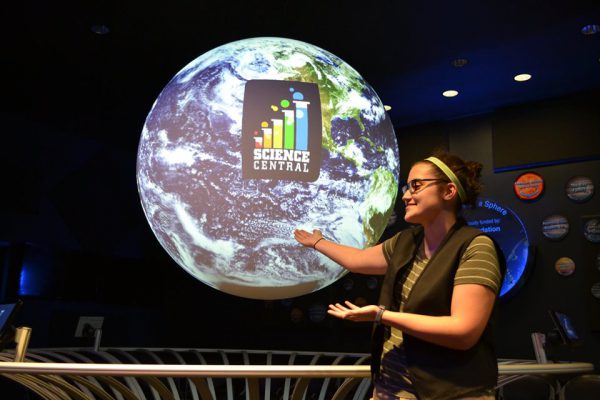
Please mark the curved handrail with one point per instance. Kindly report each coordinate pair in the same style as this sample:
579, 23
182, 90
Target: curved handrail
53, 373
254, 371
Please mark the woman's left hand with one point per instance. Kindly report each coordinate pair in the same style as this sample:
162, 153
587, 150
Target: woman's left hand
353, 312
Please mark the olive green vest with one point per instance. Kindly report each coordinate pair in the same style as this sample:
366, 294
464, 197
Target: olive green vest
438, 372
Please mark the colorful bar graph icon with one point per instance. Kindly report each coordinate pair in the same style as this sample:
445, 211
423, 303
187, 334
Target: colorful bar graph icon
289, 129
268, 138
301, 124
277, 133
290, 133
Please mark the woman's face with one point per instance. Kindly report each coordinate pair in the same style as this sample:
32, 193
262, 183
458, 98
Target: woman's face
424, 199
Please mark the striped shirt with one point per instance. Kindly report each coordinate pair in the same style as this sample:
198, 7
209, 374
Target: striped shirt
478, 265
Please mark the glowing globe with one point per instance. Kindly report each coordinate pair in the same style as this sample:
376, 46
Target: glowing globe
252, 140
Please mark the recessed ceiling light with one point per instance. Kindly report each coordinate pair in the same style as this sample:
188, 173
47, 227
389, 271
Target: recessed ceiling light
522, 77
387, 108
100, 29
450, 93
459, 62
590, 29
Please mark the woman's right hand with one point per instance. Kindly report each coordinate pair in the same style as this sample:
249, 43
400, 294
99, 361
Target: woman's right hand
306, 238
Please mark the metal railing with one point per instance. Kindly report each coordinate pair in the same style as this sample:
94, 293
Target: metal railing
198, 374
208, 374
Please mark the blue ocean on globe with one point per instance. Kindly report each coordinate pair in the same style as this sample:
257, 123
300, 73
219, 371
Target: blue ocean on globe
236, 234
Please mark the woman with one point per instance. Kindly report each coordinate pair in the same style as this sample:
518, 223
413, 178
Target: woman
433, 326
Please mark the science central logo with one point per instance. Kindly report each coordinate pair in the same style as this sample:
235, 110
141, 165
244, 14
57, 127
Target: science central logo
281, 130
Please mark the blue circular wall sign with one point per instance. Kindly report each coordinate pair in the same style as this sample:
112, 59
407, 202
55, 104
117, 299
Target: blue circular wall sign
506, 228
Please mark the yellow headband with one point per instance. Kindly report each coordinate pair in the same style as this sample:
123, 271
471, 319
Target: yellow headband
446, 170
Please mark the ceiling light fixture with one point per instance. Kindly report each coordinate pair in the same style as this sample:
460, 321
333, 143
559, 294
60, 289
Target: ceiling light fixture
100, 29
450, 93
387, 108
459, 62
590, 29
522, 77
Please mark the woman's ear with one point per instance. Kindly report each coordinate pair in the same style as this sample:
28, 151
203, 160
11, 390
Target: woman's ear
450, 192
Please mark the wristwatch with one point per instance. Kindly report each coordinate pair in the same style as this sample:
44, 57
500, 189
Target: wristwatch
379, 314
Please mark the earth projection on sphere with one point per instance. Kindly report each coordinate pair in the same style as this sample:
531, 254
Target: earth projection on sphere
228, 219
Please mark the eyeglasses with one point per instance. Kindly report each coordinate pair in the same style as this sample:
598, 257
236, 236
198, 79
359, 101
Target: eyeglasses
416, 185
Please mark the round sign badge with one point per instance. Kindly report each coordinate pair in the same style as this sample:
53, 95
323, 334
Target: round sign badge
555, 227
596, 290
529, 186
579, 188
317, 313
296, 315
565, 266
348, 284
372, 283
591, 230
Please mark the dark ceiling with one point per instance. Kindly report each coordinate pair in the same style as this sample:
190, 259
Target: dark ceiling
62, 74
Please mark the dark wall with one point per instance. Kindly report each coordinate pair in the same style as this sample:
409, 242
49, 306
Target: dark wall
547, 132
477, 138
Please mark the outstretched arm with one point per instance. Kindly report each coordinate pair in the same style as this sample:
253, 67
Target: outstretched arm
471, 308
370, 261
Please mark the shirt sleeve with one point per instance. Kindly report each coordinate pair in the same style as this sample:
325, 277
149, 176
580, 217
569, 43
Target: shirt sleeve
479, 264
388, 247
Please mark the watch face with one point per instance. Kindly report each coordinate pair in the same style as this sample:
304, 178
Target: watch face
591, 230
564, 266
555, 227
529, 186
579, 188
